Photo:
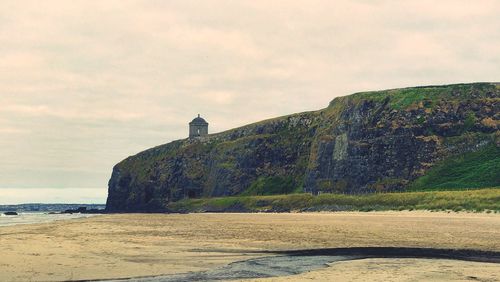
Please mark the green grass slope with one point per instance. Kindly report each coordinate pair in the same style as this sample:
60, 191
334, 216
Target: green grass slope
470, 170
273, 185
402, 98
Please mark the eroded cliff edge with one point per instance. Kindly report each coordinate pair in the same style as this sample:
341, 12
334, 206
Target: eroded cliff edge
361, 143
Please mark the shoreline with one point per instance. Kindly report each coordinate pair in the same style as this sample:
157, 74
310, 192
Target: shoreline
26, 218
131, 245
73, 216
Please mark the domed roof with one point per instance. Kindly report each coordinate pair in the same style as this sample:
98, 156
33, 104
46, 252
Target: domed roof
199, 120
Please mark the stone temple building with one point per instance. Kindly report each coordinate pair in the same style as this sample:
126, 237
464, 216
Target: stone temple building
198, 127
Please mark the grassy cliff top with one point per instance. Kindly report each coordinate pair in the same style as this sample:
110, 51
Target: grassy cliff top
401, 98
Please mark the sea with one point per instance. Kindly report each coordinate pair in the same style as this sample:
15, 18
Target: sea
36, 217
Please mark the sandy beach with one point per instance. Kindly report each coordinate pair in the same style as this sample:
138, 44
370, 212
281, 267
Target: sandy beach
132, 245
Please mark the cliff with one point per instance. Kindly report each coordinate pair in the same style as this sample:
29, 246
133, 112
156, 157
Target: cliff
367, 142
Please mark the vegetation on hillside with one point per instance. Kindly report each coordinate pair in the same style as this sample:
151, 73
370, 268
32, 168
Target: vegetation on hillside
473, 200
273, 185
429, 95
469, 170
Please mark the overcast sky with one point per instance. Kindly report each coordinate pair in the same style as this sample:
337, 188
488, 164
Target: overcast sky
84, 84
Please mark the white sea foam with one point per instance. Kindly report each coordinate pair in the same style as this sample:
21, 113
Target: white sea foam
36, 217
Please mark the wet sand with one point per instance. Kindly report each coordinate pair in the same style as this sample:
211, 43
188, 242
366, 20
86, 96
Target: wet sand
132, 245
401, 270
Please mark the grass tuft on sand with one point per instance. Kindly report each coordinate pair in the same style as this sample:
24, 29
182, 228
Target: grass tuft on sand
479, 200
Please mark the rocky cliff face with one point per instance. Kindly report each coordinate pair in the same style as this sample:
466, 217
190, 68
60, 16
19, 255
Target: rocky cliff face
362, 143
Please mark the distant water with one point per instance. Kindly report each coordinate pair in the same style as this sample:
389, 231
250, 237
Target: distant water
36, 217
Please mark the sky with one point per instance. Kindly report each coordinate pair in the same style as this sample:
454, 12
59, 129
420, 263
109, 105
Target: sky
84, 84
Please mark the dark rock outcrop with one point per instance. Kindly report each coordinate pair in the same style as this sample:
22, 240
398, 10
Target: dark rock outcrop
362, 143
10, 213
84, 210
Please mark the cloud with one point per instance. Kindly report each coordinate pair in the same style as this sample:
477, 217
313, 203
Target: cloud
220, 98
12, 130
65, 113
